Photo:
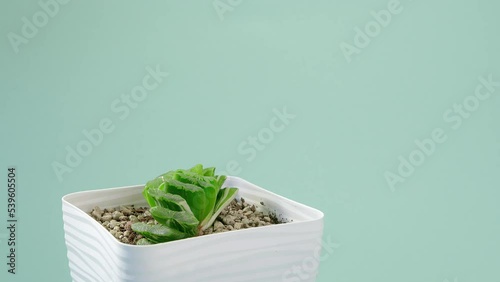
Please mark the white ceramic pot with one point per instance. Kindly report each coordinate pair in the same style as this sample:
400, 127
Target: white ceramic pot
267, 253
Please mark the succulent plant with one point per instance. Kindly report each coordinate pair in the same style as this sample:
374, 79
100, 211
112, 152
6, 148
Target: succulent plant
184, 202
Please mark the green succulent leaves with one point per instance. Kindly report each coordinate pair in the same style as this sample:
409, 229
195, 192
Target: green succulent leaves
157, 233
184, 203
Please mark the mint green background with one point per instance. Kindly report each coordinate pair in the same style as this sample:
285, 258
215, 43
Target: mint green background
353, 121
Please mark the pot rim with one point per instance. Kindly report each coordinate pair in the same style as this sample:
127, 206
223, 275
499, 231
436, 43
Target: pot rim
315, 214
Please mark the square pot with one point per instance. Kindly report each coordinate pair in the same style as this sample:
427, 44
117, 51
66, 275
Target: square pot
267, 253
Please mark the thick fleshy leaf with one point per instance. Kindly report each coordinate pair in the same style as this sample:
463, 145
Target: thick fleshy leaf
185, 201
211, 196
143, 241
170, 201
151, 201
209, 185
224, 198
155, 184
194, 195
158, 233
209, 171
220, 180
166, 175
195, 179
197, 169
181, 220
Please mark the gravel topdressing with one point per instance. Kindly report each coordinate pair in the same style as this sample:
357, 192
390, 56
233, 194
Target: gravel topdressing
237, 215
